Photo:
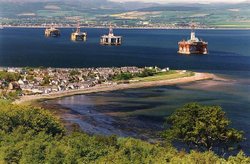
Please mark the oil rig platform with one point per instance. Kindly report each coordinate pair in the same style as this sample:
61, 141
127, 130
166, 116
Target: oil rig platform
52, 32
111, 39
78, 35
193, 45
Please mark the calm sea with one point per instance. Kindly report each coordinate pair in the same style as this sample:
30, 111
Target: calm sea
140, 112
228, 49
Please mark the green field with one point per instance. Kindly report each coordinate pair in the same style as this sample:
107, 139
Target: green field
164, 76
100, 13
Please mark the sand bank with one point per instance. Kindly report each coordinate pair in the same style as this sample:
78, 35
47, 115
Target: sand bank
113, 87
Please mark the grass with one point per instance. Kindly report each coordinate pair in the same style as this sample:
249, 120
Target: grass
164, 76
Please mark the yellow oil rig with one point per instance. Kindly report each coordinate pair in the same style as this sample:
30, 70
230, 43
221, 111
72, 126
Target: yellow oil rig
193, 45
78, 35
111, 39
52, 31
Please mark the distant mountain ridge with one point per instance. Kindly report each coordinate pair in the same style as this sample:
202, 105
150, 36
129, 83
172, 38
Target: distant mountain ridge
91, 3
103, 12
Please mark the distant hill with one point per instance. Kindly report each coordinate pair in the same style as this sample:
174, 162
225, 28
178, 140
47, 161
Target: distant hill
88, 3
170, 8
101, 12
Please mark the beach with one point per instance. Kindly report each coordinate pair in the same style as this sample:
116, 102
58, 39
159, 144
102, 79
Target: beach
112, 87
97, 122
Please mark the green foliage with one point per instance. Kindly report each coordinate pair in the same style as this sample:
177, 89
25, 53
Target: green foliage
123, 76
30, 77
135, 151
147, 72
9, 76
46, 80
12, 95
202, 127
32, 135
74, 73
197, 158
22, 146
127, 75
240, 158
37, 119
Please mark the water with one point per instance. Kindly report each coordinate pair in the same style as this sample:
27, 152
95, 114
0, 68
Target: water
141, 112
229, 49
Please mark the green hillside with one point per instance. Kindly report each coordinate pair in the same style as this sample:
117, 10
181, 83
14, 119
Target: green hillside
101, 13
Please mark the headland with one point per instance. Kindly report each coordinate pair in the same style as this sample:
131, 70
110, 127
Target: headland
113, 87
32, 84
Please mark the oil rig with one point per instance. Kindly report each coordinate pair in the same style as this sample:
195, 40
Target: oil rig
78, 35
111, 39
52, 32
193, 45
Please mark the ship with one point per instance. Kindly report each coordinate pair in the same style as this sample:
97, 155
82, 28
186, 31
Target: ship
111, 39
193, 45
52, 32
78, 35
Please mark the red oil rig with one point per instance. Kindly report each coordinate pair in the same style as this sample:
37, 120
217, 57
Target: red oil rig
193, 45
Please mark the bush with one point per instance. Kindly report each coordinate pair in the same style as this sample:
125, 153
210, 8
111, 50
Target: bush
32, 135
9, 76
30, 118
147, 72
203, 128
123, 76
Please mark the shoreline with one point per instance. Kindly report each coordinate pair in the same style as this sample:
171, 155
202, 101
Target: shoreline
114, 87
130, 28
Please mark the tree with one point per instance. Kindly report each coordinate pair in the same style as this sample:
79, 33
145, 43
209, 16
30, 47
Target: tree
33, 135
37, 119
46, 80
147, 72
124, 76
9, 76
203, 128
74, 72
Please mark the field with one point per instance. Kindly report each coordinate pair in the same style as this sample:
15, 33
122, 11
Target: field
164, 76
128, 14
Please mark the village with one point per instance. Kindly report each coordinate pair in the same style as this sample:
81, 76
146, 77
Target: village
32, 81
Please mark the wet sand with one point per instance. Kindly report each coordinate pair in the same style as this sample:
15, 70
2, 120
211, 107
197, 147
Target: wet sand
113, 87
96, 122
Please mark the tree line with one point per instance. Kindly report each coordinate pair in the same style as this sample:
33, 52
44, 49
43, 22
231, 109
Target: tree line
34, 135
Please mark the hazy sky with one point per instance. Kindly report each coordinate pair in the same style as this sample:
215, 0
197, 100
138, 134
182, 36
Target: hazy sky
178, 1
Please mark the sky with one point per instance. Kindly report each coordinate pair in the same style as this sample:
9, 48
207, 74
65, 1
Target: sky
179, 1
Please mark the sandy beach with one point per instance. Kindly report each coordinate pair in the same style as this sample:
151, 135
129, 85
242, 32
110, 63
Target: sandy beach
113, 87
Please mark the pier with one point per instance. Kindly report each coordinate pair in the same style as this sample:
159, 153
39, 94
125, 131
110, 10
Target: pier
111, 39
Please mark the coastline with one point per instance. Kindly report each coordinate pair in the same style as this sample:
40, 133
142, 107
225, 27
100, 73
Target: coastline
113, 87
132, 28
